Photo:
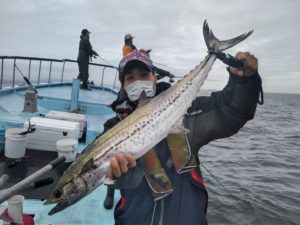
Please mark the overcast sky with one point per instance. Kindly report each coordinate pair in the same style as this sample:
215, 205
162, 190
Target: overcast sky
172, 29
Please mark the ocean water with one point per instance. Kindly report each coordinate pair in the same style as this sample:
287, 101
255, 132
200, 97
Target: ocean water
259, 168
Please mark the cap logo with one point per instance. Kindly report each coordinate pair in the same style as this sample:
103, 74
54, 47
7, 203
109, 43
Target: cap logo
135, 55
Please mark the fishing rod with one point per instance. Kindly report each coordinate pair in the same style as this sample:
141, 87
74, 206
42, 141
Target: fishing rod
217, 180
26, 79
160, 64
31, 181
3, 179
105, 61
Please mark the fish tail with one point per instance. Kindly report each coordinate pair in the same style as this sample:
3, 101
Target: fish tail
215, 45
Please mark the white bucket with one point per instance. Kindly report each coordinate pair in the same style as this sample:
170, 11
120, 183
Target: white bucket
15, 208
15, 144
68, 148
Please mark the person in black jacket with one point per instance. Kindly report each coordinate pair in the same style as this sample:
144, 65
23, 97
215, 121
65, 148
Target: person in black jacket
219, 115
122, 105
85, 54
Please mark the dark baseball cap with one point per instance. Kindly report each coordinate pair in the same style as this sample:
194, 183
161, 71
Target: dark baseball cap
128, 36
85, 31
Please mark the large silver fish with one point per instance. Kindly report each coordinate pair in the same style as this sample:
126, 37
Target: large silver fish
139, 132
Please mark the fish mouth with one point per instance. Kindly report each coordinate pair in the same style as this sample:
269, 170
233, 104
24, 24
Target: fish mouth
48, 202
51, 200
59, 207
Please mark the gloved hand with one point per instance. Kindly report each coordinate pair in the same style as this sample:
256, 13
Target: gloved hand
250, 65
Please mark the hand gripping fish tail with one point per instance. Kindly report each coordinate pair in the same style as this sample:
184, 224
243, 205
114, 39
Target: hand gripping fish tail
215, 46
155, 120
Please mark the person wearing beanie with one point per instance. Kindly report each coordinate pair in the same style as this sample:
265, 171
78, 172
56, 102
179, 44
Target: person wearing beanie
85, 53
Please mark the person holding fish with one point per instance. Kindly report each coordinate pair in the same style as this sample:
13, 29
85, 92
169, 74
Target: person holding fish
123, 107
152, 154
165, 186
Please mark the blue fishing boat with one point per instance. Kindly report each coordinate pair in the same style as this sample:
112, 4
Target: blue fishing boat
31, 89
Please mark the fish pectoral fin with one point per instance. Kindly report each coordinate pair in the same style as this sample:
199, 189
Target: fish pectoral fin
179, 128
88, 166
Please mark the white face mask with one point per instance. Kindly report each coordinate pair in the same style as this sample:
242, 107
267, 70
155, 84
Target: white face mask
135, 89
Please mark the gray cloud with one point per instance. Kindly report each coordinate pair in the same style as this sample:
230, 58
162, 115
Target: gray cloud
173, 29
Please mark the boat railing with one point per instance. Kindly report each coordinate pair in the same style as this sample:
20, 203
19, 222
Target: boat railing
24, 66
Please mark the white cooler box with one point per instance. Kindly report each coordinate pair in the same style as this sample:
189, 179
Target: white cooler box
59, 115
49, 131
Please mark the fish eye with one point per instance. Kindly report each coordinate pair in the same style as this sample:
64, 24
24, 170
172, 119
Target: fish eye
57, 194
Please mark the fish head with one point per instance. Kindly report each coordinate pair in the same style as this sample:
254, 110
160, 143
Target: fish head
67, 194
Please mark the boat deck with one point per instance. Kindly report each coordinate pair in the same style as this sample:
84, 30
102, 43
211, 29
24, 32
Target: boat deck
95, 105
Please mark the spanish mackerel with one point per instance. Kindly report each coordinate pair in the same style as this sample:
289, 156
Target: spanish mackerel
139, 132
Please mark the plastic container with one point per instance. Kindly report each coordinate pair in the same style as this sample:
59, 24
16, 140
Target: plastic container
68, 148
15, 144
73, 117
49, 131
15, 208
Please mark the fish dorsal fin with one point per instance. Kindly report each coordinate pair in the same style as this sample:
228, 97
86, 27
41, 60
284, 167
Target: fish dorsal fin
88, 166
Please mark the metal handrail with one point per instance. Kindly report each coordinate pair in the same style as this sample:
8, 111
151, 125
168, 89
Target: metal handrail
41, 60
94, 64
1, 78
